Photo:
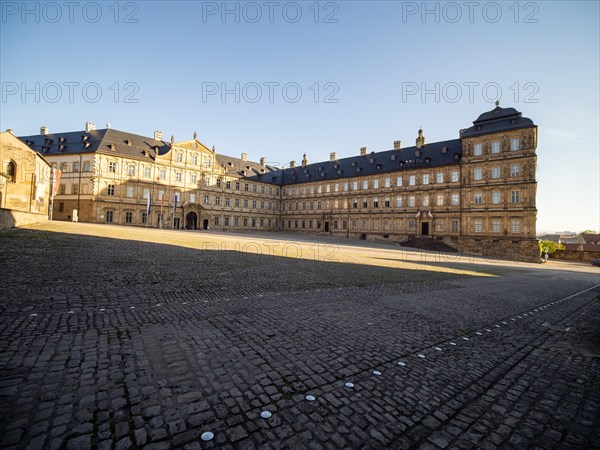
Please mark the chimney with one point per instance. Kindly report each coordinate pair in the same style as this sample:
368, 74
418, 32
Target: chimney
333, 156
292, 164
244, 157
363, 151
397, 145
44, 130
158, 135
89, 126
263, 161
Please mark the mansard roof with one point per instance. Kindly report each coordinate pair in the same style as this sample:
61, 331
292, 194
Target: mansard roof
107, 140
431, 155
250, 169
496, 120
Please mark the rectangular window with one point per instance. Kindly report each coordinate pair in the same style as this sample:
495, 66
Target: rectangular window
515, 170
148, 172
217, 200
206, 199
355, 185
477, 174
131, 170
478, 226
375, 202
74, 189
454, 176
515, 225
376, 183
112, 167
178, 177
454, 226
110, 190
246, 187
496, 147
398, 202
162, 174
128, 217
253, 188
161, 195
399, 182
478, 198
228, 185
515, 196
477, 150
440, 200
216, 221
195, 160
236, 221
495, 226
425, 200
236, 202
130, 191
412, 180
439, 177
425, 178
227, 201
145, 193
226, 221
515, 144
144, 217
386, 202
455, 200
179, 157
365, 184
192, 198
496, 172
246, 203
411, 200
237, 185
76, 166
495, 197
86, 166
194, 178
109, 216
388, 182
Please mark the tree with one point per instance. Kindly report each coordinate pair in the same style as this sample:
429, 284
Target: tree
550, 246
588, 232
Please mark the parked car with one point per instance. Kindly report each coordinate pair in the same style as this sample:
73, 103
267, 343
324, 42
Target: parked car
596, 262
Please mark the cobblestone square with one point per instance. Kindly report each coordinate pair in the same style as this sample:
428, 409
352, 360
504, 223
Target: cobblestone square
120, 337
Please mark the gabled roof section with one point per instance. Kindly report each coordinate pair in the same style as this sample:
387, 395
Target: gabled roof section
249, 169
107, 140
431, 155
498, 119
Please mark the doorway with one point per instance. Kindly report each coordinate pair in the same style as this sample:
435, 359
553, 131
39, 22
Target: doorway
425, 229
326, 227
176, 223
205, 224
191, 221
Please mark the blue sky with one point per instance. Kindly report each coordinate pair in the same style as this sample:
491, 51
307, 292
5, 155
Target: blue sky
353, 73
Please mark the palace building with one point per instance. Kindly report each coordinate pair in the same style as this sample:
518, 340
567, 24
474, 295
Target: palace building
475, 193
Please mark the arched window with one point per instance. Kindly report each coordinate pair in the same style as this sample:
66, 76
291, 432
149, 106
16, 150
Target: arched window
11, 171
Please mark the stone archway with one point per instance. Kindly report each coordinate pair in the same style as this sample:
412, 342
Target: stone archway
191, 221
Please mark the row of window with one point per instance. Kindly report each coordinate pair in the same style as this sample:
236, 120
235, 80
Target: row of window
411, 201
75, 166
496, 226
411, 180
515, 144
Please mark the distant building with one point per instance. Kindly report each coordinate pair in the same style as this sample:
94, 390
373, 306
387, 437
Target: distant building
24, 183
476, 192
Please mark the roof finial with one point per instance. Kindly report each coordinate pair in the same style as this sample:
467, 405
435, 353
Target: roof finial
497, 102
195, 135
172, 139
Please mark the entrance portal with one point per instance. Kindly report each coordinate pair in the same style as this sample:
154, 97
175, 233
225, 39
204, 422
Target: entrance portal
191, 221
425, 229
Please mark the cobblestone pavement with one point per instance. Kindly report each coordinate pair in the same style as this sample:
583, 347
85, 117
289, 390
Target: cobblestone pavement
149, 343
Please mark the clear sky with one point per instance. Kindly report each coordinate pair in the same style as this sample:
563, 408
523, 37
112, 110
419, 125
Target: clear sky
280, 79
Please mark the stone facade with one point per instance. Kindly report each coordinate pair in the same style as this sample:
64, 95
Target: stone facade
476, 193
24, 179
